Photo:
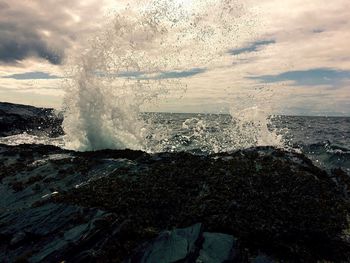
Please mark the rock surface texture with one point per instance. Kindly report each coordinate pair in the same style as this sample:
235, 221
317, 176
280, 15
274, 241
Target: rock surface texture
256, 205
16, 119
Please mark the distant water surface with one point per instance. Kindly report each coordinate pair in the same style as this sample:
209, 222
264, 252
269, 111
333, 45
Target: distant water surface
326, 140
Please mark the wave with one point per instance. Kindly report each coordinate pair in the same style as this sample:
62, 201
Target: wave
327, 155
138, 61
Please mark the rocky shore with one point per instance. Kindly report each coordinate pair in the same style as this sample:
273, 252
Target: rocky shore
255, 205
16, 119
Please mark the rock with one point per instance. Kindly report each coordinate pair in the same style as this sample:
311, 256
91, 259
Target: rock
262, 259
52, 231
189, 245
16, 119
101, 206
217, 248
17, 238
170, 246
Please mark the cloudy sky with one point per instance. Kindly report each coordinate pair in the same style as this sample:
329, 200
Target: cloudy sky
292, 54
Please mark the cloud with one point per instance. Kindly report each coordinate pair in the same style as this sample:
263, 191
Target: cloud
253, 47
130, 74
13, 49
180, 74
32, 97
291, 43
318, 30
32, 75
176, 74
43, 29
311, 77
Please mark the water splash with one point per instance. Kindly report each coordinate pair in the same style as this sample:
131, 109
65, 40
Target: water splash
25, 138
138, 61
205, 134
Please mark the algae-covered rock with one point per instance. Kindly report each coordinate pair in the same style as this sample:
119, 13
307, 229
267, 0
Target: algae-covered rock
16, 119
109, 205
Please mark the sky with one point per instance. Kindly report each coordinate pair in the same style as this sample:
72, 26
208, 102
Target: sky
290, 56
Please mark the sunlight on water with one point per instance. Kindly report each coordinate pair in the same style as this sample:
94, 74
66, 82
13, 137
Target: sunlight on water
26, 138
214, 133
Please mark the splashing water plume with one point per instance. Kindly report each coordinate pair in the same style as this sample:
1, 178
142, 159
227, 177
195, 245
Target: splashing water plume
132, 63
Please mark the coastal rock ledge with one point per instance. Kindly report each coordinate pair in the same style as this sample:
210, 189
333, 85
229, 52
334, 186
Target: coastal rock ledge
256, 205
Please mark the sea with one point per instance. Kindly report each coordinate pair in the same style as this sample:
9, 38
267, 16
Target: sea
325, 140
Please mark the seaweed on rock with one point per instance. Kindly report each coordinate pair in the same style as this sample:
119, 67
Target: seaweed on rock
108, 203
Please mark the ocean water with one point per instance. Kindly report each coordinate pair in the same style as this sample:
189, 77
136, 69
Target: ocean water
325, 140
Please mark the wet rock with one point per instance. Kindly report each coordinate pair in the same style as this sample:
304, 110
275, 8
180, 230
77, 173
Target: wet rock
16, 119
50, 231
18, 238
263, 259
188, 245
342, 179
217, 248
171, 246
103, 205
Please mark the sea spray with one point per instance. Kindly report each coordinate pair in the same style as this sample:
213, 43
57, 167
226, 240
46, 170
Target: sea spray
139, 59
111, 82
205, 134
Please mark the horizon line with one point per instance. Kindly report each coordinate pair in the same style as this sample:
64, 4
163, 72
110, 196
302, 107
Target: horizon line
204, 113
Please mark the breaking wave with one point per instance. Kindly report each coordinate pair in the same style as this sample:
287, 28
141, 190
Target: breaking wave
138, 60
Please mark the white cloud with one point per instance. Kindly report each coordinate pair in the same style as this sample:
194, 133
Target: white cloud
308, 35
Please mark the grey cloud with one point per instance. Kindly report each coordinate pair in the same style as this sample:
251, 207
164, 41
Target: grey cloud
311, 77
161, 75
252, 47
32, 75
33, 29
180, 74
12, 50
3, 5
318, 30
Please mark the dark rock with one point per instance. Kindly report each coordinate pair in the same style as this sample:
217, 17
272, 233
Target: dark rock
263, 259
217, 248
101, 206
50, 231
188, 245
18, 238
16, 119
171, 246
